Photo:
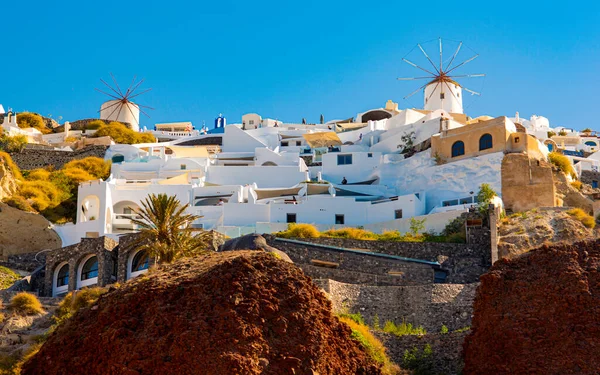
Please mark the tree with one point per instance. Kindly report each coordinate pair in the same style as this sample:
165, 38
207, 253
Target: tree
165, 231
416, 226
484, 197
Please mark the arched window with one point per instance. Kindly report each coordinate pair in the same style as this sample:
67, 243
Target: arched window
485, 142
89, 269
458, 149
63, 276
140, 261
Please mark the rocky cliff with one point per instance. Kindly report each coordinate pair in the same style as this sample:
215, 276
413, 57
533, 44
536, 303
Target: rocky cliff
235, 312
538, 314
8, 183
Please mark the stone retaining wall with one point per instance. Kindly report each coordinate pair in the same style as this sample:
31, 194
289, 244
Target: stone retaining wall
430, 306
446, 355
408, 273
465, 262
33, 158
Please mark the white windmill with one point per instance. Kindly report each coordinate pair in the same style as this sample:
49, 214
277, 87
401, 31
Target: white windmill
442, 91
120, 108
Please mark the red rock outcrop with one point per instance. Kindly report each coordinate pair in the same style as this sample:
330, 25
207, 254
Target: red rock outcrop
227, 313
538, 314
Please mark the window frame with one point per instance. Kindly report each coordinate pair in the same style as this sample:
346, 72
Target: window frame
342, 159
454, 147
338, 221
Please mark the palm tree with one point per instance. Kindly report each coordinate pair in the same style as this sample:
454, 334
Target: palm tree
165, 231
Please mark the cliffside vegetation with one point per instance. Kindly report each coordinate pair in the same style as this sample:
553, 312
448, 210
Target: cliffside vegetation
563, 163
120, 133
53, 193
32, 120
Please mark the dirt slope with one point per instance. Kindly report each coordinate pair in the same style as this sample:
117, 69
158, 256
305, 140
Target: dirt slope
538, 314
226, 313
24, 232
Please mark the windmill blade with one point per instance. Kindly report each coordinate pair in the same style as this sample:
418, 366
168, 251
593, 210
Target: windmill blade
425, 53
110, 106
144, 106
418, 67
449, 89
463, 63
115, 91
454, 56
141, 110
472, 92
139, 93
130, 111
115, 81
136, 86
414, 92
468, 76
107, 94
441, 58
119, 113
114, 110
436, 86
130, 86
414, 78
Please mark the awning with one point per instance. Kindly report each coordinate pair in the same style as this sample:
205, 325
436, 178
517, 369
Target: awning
322, 139
274, 193
182, 179
189, 152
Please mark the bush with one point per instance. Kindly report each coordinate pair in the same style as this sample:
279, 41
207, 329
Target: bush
372, 345
353, 233
403, 329
32, 120
7, 278
484, 197
419, 362
95, 125
444, 330
26, 304
20, 203
13, 144
83, 298
417, 226
562, 133
14, 169
97, 167
299, 231
561, 162
576, 184
122, 134
585, 219
358, 318
551, 134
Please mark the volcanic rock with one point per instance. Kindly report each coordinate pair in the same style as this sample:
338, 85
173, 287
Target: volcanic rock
538, 313
223, 313
253, 242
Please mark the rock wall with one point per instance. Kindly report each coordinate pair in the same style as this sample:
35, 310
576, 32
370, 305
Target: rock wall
430, 306
465, 262
31, 159
538, 314
526, 183
446, 349
348, 265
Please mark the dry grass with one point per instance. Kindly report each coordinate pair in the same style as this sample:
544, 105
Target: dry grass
562, 162
576, 184
353, 233
26, 304
585, 219
299, 231
372, 345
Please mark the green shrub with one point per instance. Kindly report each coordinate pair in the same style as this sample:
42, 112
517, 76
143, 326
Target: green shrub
585, 219
417, 225
7, 278
420, 362
463, 329
83, 298
484, 197
353, 233
26, 304
444, 329
561, 162
403, 329
357, 317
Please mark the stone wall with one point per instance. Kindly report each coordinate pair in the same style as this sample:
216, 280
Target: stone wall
465, 262
102, 247
527, 183
349, 264
587, 177
430, 306
446, 355
32, 158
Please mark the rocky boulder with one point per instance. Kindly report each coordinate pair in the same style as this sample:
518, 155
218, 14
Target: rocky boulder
240, 312
253, 242
538, 314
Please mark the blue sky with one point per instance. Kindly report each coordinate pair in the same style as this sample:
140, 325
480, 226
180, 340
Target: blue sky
290, 60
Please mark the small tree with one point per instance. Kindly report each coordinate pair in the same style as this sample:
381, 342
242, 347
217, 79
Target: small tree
484, 197
165, 231
416, 226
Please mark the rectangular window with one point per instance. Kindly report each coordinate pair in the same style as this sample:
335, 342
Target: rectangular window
298, 143
251, 122
283, 144
290, 218
344, 159
182, 166
339, 219
398, 214
370, 155
516, 139
466, 200
442, 95
127, 211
